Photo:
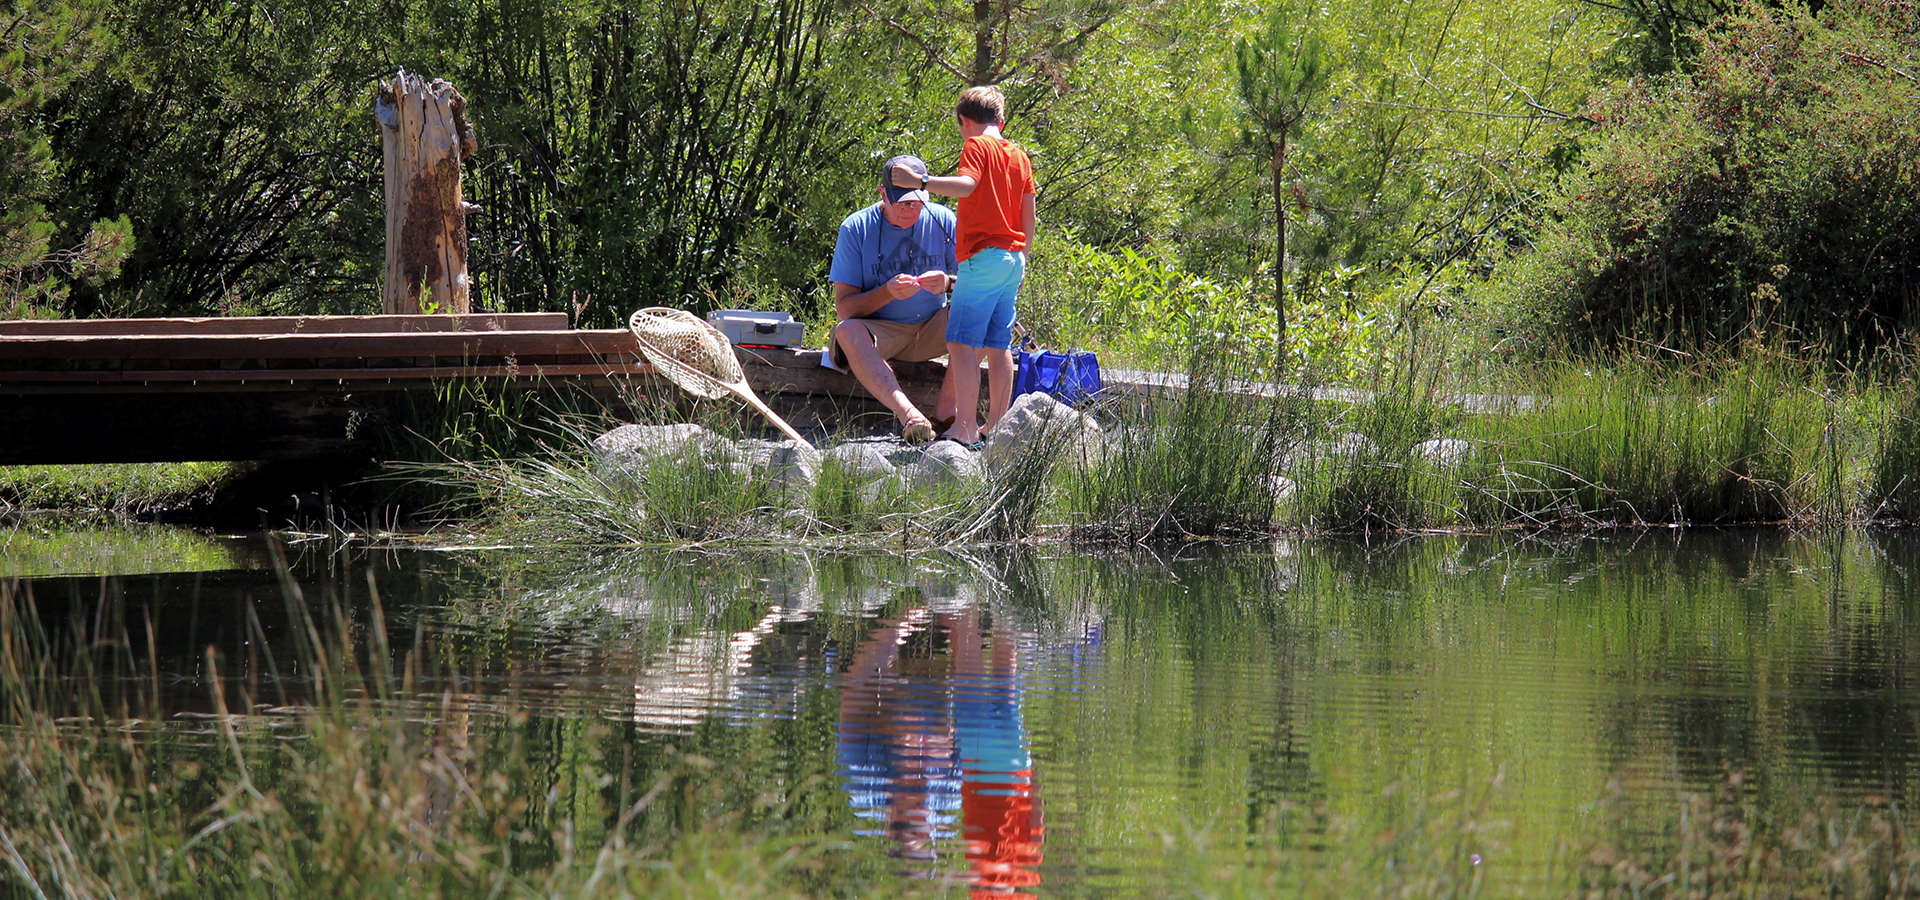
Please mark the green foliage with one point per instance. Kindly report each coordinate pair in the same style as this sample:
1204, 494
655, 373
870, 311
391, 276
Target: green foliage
119, 490
682, 154
1280, 72
1768, 193
1140, 310
1444, 124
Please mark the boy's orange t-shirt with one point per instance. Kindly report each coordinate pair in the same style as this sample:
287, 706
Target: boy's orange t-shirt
990, 216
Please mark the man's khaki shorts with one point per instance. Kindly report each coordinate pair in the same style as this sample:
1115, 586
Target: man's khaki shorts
917, 342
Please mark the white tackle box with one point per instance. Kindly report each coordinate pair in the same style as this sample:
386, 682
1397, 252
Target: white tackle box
752, 328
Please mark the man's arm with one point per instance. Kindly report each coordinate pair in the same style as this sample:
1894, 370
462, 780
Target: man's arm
850, 302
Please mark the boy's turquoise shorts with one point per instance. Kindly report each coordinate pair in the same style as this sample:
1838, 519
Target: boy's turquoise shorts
982, 314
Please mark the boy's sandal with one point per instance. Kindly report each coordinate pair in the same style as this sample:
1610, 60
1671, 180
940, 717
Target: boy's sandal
974, 447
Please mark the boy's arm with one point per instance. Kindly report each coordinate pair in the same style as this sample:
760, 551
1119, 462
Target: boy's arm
1029, 217
944, 185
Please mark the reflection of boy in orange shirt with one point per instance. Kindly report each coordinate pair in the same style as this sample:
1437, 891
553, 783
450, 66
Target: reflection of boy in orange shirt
996, 191
999, 808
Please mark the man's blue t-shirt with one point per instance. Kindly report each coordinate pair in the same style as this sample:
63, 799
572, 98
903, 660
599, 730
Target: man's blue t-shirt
872, 250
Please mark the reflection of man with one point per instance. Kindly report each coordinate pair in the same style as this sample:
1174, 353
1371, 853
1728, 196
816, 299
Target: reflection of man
916, 732
891, 273
896, 746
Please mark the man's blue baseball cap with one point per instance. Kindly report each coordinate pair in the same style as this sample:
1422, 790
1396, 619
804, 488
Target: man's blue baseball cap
897, 194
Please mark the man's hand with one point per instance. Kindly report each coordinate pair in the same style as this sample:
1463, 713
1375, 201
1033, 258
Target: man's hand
936, 281
902, 286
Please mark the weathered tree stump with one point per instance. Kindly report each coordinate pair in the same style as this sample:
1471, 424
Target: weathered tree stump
424, 137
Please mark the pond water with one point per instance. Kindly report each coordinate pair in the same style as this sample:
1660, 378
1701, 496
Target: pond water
1045, 722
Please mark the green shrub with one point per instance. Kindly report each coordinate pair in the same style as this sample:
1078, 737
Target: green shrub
1770, 191
1141, 310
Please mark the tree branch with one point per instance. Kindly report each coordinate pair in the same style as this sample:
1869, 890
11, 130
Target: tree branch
932, 54
1541, 112
1857, 57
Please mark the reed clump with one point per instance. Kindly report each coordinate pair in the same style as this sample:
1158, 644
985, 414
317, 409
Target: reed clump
1199, 461
1380, 460
1632, 442
1896, 475
1622, 441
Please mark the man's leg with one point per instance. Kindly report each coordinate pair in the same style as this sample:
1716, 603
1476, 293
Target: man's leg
856, 342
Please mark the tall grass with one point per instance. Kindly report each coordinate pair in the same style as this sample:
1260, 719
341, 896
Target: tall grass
1896, 476
1205, 462
1621, 441
1366, 468
1633, 442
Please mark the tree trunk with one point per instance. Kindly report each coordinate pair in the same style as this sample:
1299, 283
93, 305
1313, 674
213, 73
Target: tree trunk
983, 55
424, 138
1279, 254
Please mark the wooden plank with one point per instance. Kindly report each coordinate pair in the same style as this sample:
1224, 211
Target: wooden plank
537, 321
456, 345
333, 375
798, 372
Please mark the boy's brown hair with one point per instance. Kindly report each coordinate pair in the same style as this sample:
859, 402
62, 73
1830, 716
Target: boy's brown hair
984, 104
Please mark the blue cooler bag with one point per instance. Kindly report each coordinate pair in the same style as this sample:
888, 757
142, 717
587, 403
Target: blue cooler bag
1072, 377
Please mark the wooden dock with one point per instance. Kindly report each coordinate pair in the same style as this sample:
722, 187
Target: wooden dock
165, 390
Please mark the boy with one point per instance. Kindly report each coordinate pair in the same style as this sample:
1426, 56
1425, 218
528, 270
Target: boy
995, 188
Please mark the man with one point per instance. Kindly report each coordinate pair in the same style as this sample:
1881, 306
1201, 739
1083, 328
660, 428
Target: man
890, 283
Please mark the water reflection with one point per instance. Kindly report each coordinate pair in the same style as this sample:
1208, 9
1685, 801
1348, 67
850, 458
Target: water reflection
931, 737
1296, 695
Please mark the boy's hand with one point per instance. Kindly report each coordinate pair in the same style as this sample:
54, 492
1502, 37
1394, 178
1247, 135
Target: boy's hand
904, 177
935, 281
902, 286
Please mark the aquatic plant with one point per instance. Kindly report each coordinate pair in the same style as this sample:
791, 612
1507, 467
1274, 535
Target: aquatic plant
1627, 441
117, 490
1204, 461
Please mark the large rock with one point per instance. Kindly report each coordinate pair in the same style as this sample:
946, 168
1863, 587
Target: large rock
627, 451
1444, 452
1281, 488
862, 458
790, 466
1038, 418
943, 462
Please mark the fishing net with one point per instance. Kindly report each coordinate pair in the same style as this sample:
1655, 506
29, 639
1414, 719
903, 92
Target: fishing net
682, 347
